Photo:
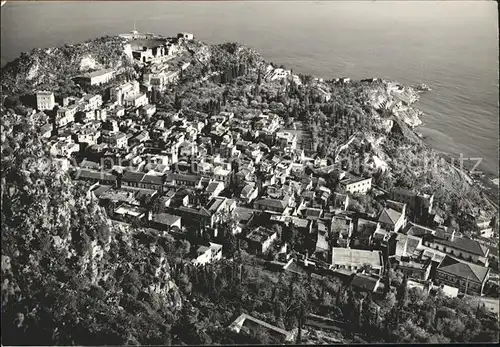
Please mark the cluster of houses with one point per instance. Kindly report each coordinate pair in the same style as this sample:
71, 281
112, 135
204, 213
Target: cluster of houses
193, 171
87, 120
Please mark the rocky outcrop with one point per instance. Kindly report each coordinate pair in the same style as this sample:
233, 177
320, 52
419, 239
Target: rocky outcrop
89, 63
57, 244
46, 68
401, 127
397, 100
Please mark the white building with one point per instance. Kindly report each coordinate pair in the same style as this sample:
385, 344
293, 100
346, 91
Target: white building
286, 139
359, 185
148, 110
118, 140
260, 239
185, 36
64, 148
97, 77
92, 102
66, 115
45, 100
124, 91
136, 100
206, 255
278, 74
352, 260
89, 136
160, 81
221, 174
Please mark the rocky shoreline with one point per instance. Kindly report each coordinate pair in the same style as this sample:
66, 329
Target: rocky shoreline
386, 97
150, 282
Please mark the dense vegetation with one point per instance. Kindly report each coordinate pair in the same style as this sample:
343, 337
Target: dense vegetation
53, 68
220, 292
347, 127
70, 276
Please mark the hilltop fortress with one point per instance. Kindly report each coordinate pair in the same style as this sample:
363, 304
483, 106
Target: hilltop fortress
150, 47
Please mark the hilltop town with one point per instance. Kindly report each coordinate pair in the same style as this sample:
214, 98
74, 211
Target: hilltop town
240, 164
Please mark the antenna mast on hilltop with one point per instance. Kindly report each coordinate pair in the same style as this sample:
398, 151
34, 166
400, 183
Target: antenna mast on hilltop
135, 30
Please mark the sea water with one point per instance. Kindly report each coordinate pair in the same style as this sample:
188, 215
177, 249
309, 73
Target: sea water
452, 46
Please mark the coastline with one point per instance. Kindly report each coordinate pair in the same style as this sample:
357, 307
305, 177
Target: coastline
401, 99
486, 183
126, 208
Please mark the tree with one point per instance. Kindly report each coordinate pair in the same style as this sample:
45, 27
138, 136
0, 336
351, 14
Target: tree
230, 245
278, 229
387, 280
402, 292
291, 235
177, 102
271, 253
185, 284
183, 248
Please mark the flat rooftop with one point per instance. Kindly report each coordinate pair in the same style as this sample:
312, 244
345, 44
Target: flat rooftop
97, 73
130, 211
260, 234
355, 257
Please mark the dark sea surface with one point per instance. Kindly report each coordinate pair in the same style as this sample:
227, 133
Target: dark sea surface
452, 46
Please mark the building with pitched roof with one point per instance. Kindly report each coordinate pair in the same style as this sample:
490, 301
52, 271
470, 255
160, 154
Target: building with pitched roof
180, 179
95, 176
165, 221
393, 216
467, 277
196, 216
460, 247
249, 193
274, 205
214, 188
208, 254
353, 184
127, 212
417, 230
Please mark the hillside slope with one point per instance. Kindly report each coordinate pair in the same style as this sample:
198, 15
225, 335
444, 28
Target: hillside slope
70, 276
51, 68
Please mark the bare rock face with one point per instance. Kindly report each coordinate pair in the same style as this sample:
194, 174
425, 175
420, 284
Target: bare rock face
33, 71
89, 63
58, 244
396, 99
46, 68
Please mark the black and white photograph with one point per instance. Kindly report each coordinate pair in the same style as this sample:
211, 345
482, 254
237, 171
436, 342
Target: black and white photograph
249, 172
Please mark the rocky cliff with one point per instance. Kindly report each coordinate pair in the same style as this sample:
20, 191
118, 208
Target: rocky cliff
48, 68
100, 282
69, 274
